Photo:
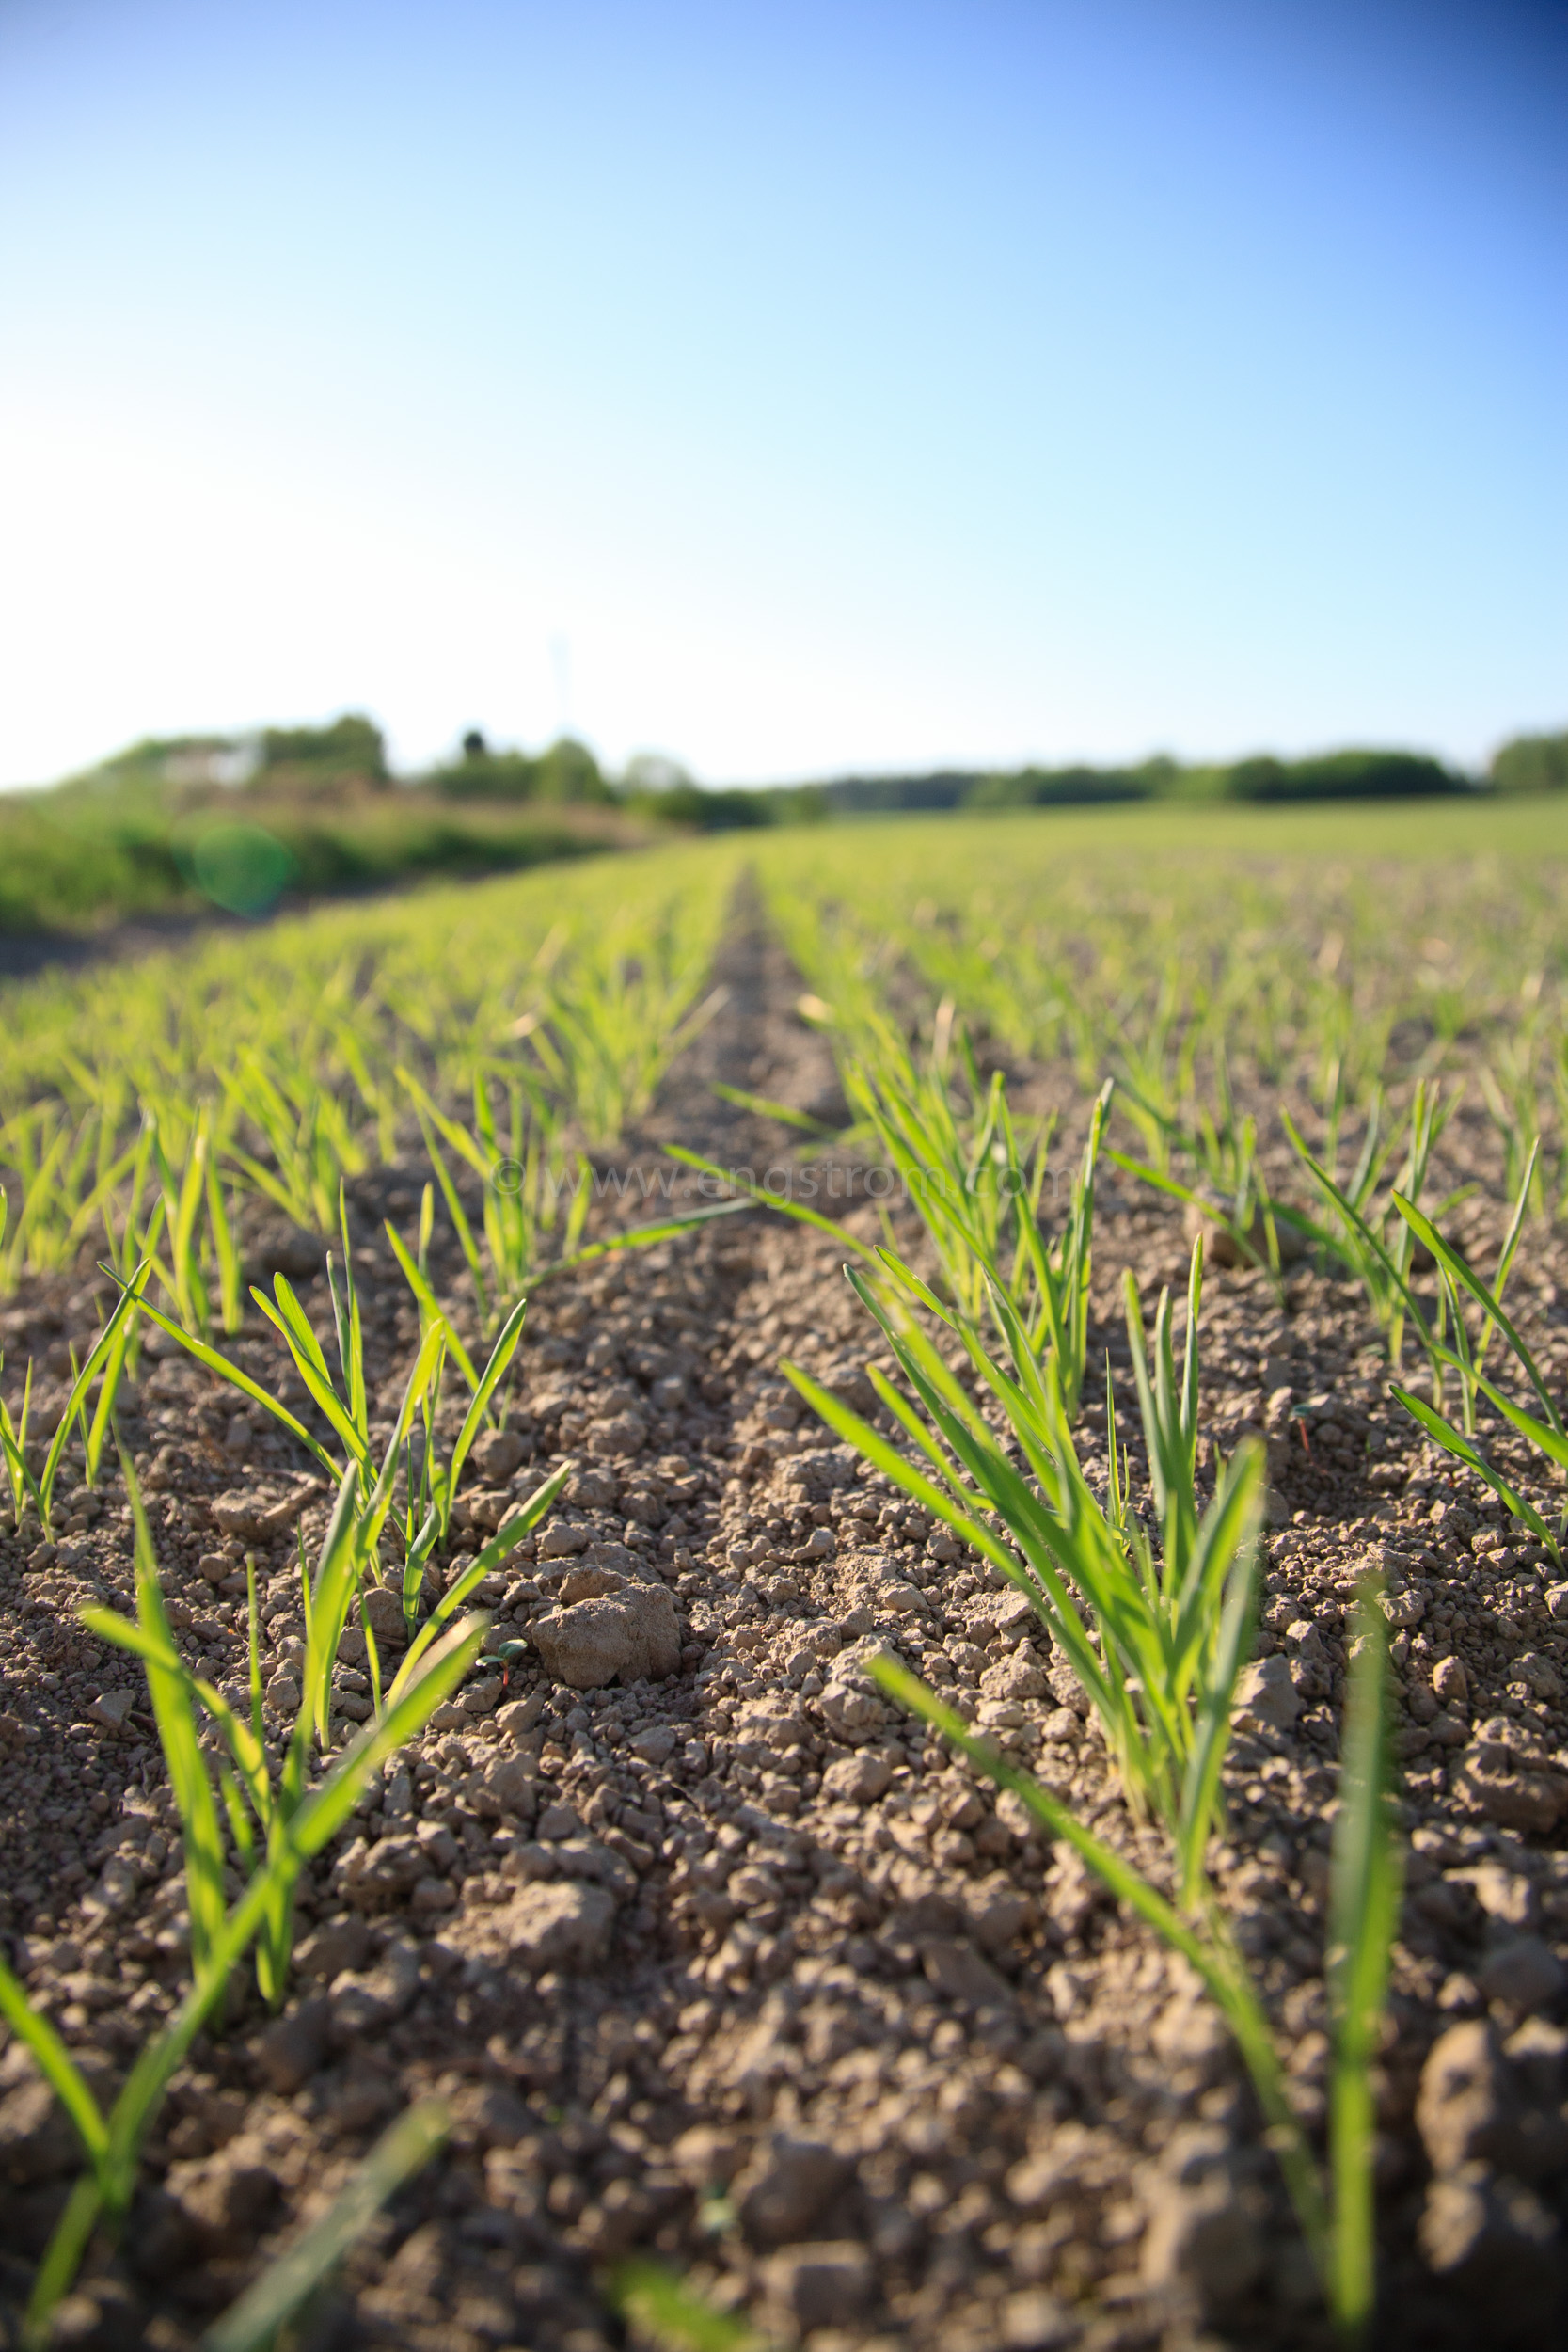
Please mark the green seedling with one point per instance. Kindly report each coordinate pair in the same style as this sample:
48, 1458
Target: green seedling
1545, 1432
259, 1807
1164, 1636
1337, 2216
618, 1013
666, 2313
112, 2140
313, 1148
532, 1184
105, 1363
978, 1194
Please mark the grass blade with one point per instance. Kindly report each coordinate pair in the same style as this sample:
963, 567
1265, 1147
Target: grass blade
251, 2323
56, 2065
1364, 1904
1454, 1442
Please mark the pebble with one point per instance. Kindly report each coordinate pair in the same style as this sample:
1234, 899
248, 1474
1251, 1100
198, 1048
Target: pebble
1524, 1974
787, 2187
550, 1924
1470, 2109
824, 2285
1266, 1697
1450, 1681
1494, 2242
633, 1634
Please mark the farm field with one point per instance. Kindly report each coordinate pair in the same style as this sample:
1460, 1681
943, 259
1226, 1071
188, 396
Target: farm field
958, 1807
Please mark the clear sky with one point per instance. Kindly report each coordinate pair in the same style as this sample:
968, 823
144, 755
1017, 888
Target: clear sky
786, 386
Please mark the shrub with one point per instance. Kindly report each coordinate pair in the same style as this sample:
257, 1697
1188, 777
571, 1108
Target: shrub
1531, 763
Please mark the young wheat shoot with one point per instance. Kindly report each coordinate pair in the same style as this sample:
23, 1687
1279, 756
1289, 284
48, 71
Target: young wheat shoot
112, 2140
1158, 1659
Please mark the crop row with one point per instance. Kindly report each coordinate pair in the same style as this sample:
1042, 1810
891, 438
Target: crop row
525, 1024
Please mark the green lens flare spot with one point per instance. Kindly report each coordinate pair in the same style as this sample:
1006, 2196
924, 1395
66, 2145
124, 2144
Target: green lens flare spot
243, 868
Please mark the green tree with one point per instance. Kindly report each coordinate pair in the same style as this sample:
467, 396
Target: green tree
1531, 763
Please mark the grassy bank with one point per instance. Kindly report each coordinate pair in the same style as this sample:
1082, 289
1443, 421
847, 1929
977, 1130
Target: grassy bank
77, 858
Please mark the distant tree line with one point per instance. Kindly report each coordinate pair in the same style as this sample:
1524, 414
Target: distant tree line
346, 761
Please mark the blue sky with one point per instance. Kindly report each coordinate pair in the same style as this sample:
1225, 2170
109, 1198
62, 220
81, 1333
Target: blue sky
787, 388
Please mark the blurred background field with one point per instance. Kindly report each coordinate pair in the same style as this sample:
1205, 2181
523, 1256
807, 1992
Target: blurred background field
241, 823
1316, 957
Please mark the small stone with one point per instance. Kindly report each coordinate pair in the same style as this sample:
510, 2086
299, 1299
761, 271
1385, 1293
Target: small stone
594, 1487
340, 1944
1015, 1677
852, 1386
590, 1584
374, 1876
557, 1822
365, 2002
957, 1971
106, 2319
1506, 1895
618, 1436
437, 1845
520, 1715
1556, 1600
504, 1785
620, 1561
1468, 2108
1450, 1681
1538, 1674
786, 2187
1511, 1787
497, 1455
858, 1779
282, 1695
382, 1608
255, 1518
826, 2285
228, 2199
655, 1746
999, 1913
1033, 2321
555, 1924
38, 2141
632, 1634
565, 1538
999, 1611
111, 1707
1524, 1974
481, 1509
1536, 2052
1205, 2227
290, 2049
1266, 1696
1495, 2243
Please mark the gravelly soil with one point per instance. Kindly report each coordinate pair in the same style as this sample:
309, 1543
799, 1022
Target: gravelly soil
731, 1965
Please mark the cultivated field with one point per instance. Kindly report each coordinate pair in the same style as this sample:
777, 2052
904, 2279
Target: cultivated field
963, 1806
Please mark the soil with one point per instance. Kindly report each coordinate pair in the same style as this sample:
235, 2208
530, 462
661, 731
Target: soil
735, 1967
